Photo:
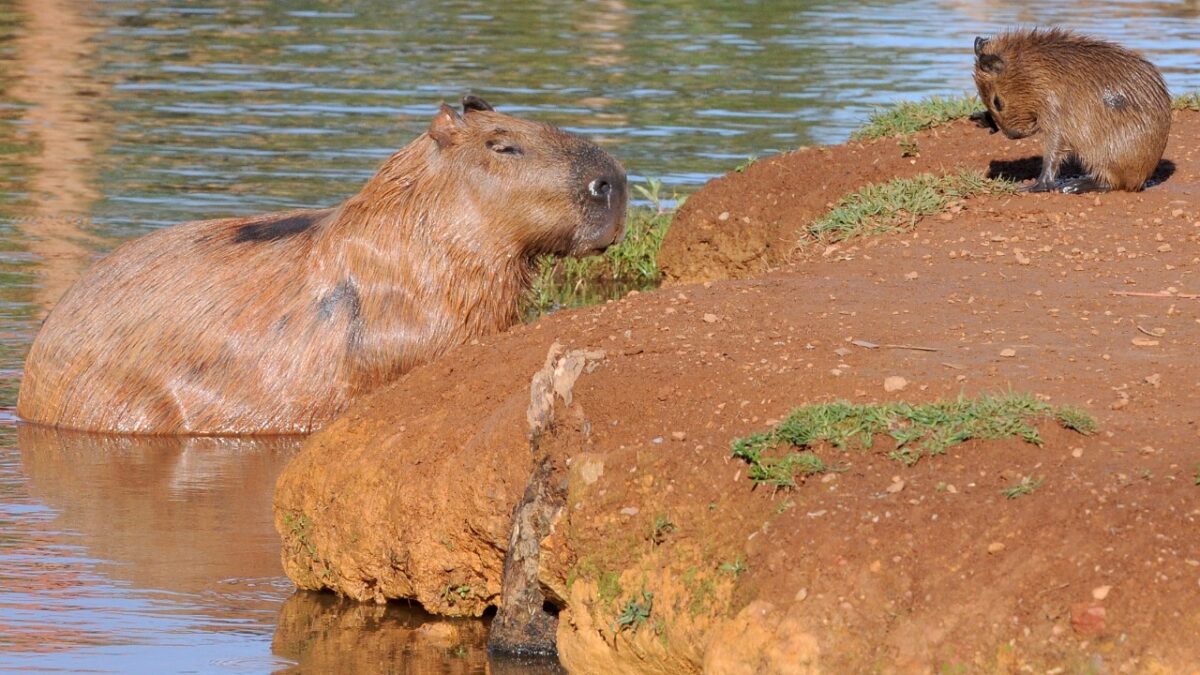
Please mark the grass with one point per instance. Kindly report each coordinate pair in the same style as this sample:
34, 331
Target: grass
897, 205
736, 568
661, 527
630, 265
1023, 487
918, 430
909, 117
635, 613
1187, 102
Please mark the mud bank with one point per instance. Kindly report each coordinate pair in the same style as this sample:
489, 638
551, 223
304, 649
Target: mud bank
667, 558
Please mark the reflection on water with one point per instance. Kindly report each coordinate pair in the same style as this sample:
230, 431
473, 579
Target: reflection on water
122, 116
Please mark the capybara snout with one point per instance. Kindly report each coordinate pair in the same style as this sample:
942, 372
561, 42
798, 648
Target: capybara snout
274, 323
570, 194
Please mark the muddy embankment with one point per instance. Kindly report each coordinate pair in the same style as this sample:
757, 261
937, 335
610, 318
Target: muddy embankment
664, 557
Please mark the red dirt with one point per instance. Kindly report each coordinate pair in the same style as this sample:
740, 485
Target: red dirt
412, 490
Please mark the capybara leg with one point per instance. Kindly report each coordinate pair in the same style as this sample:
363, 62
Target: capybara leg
1078, 186
1052, 157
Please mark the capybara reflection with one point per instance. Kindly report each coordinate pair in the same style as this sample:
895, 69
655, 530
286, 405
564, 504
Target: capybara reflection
1092, 100
273, 324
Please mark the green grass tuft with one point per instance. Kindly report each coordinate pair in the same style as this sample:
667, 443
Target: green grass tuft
918, 430
897, 205
630, 265
1075, 419
1187, 102
635, 613
1023, 487
908, 117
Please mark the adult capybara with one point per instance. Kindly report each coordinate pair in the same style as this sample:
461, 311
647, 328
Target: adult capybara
272, 324
1093, 100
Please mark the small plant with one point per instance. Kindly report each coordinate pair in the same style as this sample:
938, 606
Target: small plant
1187, 102
1075, 419
918, 430
462, 591
749, 162
908, 117
661, 527
608, 586
1023, 487
734, 569
634, 614
909, 147
897, 205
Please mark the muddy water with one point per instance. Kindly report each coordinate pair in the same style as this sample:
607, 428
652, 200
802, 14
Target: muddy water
123, 116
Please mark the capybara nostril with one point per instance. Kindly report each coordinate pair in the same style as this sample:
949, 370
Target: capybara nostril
600, 188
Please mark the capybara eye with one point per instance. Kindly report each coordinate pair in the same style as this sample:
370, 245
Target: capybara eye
503, 148
997, 103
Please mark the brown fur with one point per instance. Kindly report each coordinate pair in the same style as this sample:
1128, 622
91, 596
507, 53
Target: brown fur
1092, 100
272, 324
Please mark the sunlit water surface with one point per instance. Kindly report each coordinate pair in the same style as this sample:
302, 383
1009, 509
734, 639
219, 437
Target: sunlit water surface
122, 116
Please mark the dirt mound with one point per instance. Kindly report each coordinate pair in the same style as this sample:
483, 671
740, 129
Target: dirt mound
668, 559
746, 223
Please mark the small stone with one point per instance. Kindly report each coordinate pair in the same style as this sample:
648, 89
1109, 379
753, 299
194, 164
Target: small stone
842, 351
896, 486
995, 547
657, 440
630, 511
802, 595
1164, 248
1144, 342
1154, 380
724, 216
877, 566
1077, 453
1101, 592
911, 276
710, 318
894, 383
1087, 618
678, 436
1008, 353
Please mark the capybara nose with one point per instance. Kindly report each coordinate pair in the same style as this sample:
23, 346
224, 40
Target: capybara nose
600, 188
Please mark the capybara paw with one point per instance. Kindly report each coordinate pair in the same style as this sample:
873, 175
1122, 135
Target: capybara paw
1078, 186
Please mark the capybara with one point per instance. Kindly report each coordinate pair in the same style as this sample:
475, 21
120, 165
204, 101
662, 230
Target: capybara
274, 323
1094, 101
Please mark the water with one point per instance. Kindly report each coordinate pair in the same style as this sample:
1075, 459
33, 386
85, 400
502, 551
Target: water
121, 116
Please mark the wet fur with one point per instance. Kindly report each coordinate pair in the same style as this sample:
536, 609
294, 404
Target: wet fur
273, 324
1090, 99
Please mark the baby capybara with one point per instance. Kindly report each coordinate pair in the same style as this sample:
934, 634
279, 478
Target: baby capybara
1093, 100
272, 324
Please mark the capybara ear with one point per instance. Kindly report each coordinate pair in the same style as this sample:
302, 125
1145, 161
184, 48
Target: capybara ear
991, 63
471, 102
445, 126
980, 43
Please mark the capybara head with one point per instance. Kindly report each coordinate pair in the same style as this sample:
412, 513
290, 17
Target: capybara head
1005, 89
541, 188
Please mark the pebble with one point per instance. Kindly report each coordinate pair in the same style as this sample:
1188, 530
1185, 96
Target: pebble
911, 276
1154, 380
1077, 453
678, 436
1008, 353
995, 547
896, 486
894, 383
724, 216
801, 595
710, 318
1101, 592
630, 511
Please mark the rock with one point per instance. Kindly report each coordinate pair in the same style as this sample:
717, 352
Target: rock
896, 486
995, 547
1088, 619
710, 318
1008, 353
1101, 592
678, 436
894, 383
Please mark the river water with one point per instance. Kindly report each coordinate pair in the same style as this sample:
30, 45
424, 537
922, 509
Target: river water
121, 116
